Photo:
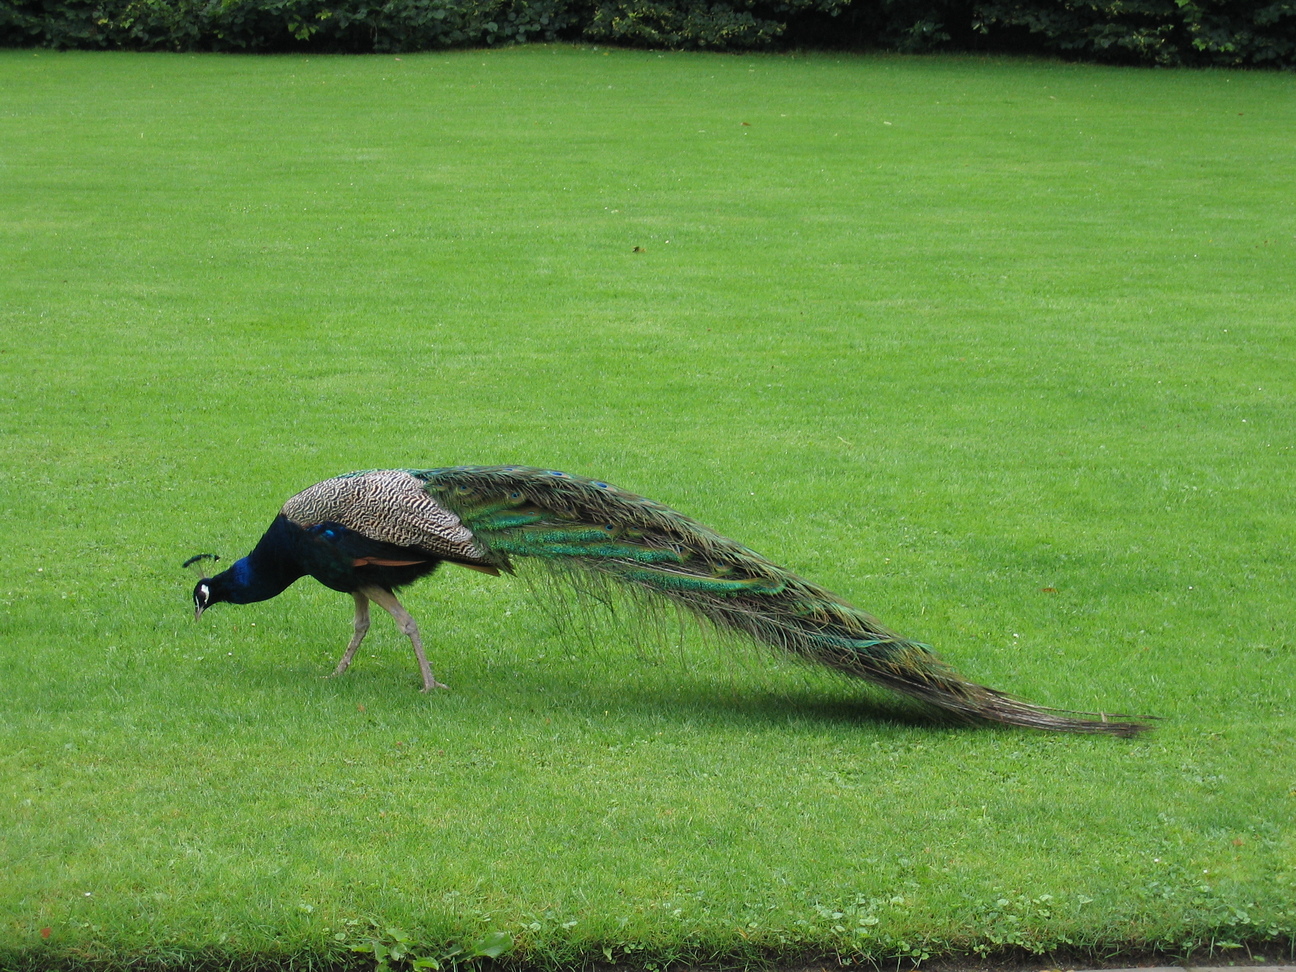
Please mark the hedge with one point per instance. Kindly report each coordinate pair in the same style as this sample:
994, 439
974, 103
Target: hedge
1154, 32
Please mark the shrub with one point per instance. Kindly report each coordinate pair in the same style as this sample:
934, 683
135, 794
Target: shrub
1165, 32
279, 25
1169, 32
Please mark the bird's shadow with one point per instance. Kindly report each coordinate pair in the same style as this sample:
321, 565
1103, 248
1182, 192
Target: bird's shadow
766, 707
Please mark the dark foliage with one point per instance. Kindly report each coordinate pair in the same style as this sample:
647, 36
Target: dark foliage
1167, 32
281, 25
1153, 32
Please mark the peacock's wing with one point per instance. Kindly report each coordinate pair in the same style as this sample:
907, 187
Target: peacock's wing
386, 514
357, 550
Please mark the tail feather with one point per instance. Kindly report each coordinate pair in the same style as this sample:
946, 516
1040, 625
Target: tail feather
573, 523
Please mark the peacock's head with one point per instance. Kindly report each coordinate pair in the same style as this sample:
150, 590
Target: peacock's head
203, 597
207, 591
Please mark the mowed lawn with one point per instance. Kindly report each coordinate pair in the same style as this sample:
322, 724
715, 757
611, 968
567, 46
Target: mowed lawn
1001, 351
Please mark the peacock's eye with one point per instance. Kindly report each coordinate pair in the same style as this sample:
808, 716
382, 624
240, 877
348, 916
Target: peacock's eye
204, 593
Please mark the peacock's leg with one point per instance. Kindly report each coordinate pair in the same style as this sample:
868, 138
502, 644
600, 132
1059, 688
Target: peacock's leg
361, 628
386, 600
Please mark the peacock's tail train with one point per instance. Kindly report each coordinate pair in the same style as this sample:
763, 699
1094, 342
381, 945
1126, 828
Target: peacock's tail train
573, 523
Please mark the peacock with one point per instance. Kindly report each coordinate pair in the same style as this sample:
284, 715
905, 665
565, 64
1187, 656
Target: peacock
368, 534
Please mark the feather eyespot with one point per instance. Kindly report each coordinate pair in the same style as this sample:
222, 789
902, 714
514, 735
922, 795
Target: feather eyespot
600, 485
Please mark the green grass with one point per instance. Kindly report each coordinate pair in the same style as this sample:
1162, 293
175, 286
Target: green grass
1002, 351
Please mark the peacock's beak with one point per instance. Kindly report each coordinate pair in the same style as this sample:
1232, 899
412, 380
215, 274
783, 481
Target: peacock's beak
198, 610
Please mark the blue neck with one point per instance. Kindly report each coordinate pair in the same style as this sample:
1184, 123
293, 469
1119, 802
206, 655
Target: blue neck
263, 573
